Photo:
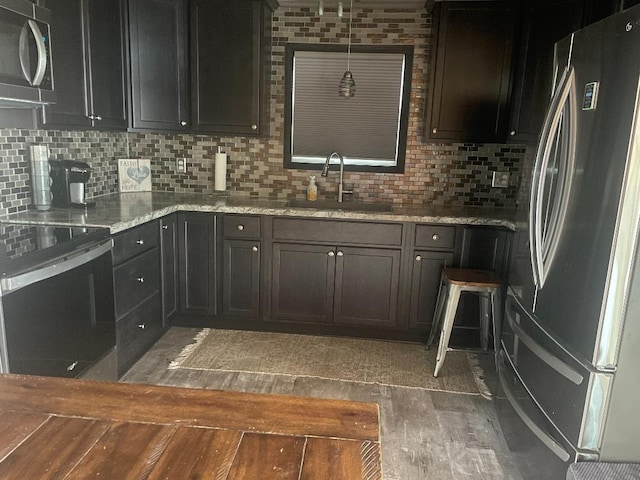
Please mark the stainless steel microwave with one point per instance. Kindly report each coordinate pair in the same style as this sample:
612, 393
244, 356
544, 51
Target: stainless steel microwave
26, 76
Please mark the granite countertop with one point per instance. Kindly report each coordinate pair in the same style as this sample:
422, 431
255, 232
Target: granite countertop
122, 211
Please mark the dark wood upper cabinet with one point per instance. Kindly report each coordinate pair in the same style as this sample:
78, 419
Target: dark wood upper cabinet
159, 65
229, 50
543, 24
88, 63
470, 72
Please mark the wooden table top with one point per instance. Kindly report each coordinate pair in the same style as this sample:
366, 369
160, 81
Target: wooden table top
54, 428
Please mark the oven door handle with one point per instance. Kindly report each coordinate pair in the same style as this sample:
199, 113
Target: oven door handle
12, 284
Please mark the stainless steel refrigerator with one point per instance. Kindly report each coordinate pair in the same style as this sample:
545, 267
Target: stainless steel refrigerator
569, 363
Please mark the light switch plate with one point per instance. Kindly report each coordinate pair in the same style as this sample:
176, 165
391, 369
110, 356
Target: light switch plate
500, 180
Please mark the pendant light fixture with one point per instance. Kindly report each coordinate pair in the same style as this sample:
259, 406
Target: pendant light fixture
347, 87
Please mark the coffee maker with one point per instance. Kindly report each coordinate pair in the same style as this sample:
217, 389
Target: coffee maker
69, 180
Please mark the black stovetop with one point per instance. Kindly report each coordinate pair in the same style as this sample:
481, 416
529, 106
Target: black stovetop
25, 246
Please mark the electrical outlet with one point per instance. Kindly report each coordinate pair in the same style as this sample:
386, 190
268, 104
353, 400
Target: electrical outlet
181, 165
500, 180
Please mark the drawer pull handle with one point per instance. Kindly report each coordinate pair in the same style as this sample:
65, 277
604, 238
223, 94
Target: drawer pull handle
140, 242
140, 279
435, 237
340, 253
165, 227
331, 254
254, 248
142, 326
72, 367
418, 258
240, 227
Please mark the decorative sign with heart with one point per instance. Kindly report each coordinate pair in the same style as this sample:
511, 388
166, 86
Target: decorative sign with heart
134, 175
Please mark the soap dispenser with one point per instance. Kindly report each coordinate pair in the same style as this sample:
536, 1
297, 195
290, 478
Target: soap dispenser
312, 189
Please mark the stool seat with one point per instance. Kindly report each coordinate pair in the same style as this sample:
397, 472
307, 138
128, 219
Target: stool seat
472, 278
453, 282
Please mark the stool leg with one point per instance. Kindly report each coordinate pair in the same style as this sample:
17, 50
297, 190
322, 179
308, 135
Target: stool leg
485, 318
496, 308
437, 316
450, 314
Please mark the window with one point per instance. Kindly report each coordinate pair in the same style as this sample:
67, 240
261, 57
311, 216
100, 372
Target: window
369, 129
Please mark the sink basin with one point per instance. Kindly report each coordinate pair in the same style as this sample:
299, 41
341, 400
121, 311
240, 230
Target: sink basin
333, 205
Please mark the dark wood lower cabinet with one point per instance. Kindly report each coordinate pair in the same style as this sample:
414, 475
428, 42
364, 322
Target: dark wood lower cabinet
367, 283
425, 282
169, 266
197, 234
241, 278
302, 282
337, 285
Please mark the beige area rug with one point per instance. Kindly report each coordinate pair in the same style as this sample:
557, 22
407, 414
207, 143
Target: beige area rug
347, 359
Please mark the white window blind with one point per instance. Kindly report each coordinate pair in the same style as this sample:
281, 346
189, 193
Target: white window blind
365, 129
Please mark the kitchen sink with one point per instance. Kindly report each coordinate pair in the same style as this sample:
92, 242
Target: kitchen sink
333, 205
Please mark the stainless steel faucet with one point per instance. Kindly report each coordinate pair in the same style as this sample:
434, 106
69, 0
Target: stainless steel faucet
325, 172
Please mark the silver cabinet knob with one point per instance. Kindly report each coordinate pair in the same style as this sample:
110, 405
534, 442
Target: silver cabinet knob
254, 248
140, 242
72, 367
418, 258
435, 130
254, 127
340, 253
331, 254
183, 123
140, 279
98, 117
165, 227
512, 133
435, 237
241, 227
142, 326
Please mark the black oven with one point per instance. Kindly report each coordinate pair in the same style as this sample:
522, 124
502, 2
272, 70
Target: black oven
56, 294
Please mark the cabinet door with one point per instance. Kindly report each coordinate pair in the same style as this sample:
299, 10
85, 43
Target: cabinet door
158, 51
197, 263
471, 71
72, 105
169, 253
225, 66
367, 286
425, 284
302, 282
241, 278
544, 23
88, 64
106, 63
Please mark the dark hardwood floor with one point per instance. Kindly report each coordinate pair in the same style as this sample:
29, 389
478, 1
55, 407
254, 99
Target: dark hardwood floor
425, 434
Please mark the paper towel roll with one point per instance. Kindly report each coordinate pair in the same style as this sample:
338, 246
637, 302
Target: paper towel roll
220, 174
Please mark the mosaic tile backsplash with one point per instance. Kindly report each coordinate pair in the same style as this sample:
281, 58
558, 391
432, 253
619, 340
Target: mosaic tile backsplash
442, 174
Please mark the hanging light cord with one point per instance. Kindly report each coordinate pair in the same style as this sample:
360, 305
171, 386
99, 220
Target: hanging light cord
349, 42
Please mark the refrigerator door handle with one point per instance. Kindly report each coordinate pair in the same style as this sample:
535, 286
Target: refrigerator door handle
558, 140
543, 354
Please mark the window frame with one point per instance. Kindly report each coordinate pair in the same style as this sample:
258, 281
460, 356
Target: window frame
406, 50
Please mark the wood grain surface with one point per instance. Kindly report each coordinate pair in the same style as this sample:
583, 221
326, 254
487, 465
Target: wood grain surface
53, 428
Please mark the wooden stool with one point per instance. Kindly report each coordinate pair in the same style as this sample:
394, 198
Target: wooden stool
453, 282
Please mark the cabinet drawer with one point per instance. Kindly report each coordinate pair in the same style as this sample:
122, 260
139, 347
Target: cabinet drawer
137, 331
135, 241
337, 232
436, 236
135, 280
241, 226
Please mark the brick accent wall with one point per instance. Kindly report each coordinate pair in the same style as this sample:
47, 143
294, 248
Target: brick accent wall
443, 174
